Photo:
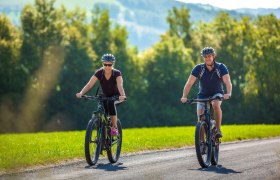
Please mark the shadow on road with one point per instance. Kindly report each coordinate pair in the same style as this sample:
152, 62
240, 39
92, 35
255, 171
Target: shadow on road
218, 169
108, 167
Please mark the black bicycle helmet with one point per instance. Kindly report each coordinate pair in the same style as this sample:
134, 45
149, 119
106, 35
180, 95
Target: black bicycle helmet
108, 58
207, 50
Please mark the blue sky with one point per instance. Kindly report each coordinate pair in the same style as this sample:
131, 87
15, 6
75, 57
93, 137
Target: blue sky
234, 4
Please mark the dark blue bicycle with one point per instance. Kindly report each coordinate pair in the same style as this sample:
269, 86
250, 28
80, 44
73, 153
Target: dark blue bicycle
206, 143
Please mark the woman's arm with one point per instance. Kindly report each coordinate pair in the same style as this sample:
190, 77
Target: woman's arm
120, 87
87, 87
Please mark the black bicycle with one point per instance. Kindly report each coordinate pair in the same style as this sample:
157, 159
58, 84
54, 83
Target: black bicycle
206, 143
98, 137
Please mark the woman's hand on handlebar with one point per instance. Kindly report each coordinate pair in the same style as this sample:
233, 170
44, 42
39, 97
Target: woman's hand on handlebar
122, 98
184, 100
79, 95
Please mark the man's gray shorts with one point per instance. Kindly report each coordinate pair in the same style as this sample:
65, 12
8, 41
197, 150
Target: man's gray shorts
200, 105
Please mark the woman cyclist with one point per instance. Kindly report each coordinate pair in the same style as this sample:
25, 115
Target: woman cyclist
112, 85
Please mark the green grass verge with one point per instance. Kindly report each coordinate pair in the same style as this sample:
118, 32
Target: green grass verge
25, 150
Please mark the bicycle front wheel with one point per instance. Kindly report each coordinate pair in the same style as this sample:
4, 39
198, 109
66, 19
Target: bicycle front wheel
215, 150
115, 146
93, 141
202, 145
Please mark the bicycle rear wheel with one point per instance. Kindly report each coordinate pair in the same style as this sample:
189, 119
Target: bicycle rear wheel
115, 146
93, 141
202, 146
215, 149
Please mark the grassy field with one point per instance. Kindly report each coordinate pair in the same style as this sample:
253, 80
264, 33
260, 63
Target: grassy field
25, 150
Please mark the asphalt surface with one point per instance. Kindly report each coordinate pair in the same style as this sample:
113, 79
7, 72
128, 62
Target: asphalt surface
254, 159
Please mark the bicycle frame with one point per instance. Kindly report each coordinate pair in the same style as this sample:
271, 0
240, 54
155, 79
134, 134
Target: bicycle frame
100, 111
101, 114
207, 111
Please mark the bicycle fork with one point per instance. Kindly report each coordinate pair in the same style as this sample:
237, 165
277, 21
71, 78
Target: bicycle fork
106, 141
209, 133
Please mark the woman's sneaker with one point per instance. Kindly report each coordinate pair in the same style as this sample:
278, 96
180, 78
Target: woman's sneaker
114, 131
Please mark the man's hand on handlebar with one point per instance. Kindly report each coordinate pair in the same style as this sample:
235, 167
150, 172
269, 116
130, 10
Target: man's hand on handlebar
227, 96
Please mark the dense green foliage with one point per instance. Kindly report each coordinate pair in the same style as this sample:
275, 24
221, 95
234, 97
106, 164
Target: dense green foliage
33, 149
54, 52
142, 18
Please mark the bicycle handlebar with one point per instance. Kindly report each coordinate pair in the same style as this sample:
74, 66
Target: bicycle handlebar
101, 98
192, 101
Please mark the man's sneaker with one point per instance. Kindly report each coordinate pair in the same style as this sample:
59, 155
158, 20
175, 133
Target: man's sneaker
219, 134
114, 132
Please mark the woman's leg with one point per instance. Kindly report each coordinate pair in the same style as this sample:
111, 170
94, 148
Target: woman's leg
113, 113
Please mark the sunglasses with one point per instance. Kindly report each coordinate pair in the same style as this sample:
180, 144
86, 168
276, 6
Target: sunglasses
208, 55
108, 65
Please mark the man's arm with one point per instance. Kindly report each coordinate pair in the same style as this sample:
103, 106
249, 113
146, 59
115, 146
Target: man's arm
187, 88
227, 81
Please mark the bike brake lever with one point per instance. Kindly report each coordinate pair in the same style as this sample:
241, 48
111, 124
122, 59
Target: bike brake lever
220, 98
189, 101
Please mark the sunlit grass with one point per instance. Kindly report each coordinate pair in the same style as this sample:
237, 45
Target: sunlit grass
23, 150
19, 150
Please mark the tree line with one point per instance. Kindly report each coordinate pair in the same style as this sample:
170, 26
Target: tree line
54, 52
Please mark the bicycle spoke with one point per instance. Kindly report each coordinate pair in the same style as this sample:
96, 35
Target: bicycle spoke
114, 142
93, 141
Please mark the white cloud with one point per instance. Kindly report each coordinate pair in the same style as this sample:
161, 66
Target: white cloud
234, 4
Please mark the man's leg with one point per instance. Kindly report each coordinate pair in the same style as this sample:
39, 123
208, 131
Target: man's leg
218, 115
217, 112
199, 110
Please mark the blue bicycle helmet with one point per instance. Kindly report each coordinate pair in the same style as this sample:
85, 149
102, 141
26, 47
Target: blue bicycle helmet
207, 50
108, 58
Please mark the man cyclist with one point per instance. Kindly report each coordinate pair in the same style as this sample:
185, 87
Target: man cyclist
211, 75
112, 85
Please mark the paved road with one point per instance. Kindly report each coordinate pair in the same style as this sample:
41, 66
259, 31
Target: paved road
256, 159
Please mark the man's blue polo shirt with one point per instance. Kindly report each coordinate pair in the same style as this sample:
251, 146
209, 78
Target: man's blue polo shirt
210, 83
